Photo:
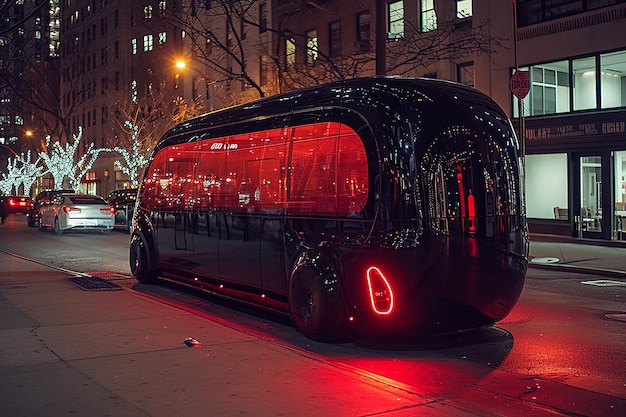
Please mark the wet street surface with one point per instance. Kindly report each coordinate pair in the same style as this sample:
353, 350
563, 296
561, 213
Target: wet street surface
560, 352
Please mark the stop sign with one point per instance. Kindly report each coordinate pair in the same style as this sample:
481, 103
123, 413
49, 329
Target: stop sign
520, 84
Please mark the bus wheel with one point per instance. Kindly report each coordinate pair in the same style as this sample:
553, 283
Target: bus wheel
139, 262
315, 302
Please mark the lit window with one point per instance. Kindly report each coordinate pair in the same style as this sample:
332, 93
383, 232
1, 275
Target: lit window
147, 43
290, 51
612, 79
584, 75
162, 7
463, 8
162, 37
312, 51
428, 15
133, 44
147, 12
395, 16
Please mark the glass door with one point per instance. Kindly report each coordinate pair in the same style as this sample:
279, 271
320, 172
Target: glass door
619, 162
590, 223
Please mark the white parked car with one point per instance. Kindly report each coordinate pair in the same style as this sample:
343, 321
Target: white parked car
76, 212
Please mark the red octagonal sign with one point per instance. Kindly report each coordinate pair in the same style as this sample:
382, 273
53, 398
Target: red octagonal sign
520, 84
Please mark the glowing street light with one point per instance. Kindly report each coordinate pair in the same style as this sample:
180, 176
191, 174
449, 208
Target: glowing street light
181, 64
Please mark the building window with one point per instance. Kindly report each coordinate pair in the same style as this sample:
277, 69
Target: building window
428, 16
133, 46
465, 74
263, 70
147, 12
162, 8
290, 52
463, 8
584, 75
613, 80
549, 89
334, 38
363, 31
395, 19
312, 49
162, 38
262, 17
546, 186
148, 43
530, 12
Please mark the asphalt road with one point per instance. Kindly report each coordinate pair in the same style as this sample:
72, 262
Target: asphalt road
562, 338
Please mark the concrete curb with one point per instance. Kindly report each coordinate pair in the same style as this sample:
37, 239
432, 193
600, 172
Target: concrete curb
611, 273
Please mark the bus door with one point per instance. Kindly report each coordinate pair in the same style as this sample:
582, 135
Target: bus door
239, 224
175, 221
207, 217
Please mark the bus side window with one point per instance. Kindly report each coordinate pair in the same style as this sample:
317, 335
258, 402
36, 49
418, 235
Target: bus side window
352, 174
313, 181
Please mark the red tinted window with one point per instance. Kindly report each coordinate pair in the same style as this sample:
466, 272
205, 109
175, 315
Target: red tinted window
327, 174
170, 182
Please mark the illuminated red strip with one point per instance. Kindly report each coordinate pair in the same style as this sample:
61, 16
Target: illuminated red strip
381, 295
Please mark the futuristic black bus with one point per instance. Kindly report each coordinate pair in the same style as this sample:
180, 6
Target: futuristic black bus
372, 206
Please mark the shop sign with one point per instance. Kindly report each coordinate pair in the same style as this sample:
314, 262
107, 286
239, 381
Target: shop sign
576, 130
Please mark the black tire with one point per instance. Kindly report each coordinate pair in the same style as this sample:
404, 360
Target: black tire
107, 231
40, 225
139, 263
31, 222
57, 227
315, 301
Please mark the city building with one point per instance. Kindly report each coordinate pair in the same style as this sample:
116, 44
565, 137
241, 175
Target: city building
29, 41
157, 62
573, 120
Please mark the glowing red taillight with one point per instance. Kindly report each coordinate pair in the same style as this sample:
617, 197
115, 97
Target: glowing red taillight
69, 209
110, 210
381, 295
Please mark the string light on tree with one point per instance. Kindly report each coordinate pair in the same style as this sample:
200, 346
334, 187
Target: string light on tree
60, 161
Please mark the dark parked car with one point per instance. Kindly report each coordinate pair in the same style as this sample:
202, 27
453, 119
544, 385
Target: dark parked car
42, 198
17, 204
123, 201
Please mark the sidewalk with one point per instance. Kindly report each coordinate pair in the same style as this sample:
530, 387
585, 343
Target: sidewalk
65, 351
604, 258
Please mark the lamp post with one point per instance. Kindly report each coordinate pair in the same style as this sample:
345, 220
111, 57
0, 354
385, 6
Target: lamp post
183, 66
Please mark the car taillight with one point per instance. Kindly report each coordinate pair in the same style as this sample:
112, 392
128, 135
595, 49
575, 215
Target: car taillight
381, 295
11, 202
69, 210
110, 210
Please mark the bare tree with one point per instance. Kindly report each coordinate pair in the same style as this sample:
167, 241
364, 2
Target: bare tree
143, 119
222, 45
413, 52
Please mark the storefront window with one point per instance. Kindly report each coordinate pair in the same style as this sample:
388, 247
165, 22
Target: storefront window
584, 71
546, 186
613, 79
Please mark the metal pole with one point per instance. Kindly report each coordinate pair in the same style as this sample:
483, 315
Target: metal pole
381, 38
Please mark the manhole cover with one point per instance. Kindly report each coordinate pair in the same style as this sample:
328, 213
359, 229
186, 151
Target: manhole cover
544, 260
93, 284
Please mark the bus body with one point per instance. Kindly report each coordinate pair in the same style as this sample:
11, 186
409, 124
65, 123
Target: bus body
372, 206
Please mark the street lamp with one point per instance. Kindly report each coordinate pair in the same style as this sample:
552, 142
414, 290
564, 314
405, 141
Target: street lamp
182, 65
